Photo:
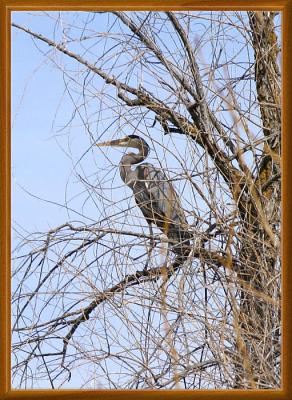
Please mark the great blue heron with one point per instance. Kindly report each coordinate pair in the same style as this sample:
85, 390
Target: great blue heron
154, 193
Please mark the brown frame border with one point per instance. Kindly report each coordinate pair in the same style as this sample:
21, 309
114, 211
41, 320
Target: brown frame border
6, 6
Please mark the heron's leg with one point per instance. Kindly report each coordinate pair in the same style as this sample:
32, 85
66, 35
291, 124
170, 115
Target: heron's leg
152, 245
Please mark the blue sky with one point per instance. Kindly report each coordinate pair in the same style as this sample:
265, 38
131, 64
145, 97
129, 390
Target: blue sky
38, 165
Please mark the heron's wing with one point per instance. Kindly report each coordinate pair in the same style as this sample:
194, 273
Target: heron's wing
161, 196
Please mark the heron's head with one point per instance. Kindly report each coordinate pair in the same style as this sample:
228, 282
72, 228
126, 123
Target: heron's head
128, 141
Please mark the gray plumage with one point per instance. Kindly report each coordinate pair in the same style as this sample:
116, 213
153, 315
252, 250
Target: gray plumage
154, 193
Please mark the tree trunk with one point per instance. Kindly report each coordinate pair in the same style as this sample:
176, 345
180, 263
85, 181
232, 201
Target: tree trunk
259, 321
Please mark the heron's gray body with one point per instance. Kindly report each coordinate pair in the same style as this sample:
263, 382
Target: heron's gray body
158, 201
154, 193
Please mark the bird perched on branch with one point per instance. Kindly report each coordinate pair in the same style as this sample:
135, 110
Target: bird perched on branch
154, 193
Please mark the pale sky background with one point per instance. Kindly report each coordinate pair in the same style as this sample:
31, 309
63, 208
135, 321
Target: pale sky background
38, 165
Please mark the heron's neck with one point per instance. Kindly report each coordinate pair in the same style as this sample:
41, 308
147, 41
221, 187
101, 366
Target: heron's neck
129, 159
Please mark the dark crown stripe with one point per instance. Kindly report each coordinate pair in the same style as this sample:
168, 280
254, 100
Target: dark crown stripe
135, 137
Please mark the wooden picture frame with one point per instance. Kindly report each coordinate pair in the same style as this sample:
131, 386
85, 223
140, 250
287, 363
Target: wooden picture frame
7, 6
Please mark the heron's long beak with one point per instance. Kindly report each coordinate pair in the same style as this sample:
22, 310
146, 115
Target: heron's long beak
114, 143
